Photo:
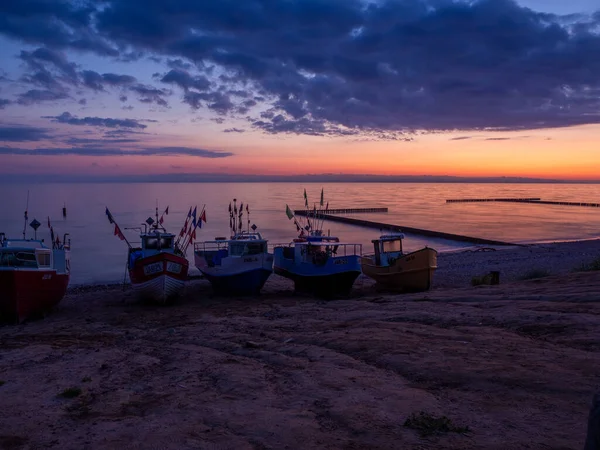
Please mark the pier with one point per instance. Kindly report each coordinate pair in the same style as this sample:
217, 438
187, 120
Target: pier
302, 212
536, 201
419, 231
474, 200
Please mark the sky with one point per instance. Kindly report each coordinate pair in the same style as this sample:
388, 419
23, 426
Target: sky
281, 87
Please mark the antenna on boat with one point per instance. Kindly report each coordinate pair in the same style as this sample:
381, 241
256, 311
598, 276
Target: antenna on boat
26, 217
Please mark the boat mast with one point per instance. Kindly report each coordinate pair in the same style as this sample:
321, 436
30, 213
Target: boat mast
26, 218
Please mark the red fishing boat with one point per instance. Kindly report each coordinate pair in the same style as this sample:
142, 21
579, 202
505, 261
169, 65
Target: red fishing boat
158, 268
33, 276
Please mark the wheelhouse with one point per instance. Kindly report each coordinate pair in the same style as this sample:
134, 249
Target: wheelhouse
386, 246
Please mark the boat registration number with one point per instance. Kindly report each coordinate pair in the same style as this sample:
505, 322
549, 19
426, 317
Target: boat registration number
341, 261
153, 268
173, 267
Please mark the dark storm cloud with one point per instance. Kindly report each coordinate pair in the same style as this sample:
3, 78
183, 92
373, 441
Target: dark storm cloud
58, 23
103, 151
150, 94
184, 80
342, 67
37, 59
22, 134
69, 119
41, 95
98, 82
4, 102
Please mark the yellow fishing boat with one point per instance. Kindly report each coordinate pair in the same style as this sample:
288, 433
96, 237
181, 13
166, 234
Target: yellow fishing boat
393, 269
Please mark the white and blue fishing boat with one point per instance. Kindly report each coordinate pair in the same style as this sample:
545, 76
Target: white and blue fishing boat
240, 265
317, 264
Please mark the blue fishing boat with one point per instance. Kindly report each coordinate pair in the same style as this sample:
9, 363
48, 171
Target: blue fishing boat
240, 265
316, 263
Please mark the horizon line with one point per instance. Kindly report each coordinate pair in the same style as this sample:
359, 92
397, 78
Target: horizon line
254, 178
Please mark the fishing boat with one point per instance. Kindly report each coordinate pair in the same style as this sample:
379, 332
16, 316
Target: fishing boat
158, 268
240, 265
393, 269
316, 263
33, 276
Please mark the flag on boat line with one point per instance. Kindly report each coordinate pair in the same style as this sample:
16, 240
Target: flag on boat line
305, 199
118, 233
289, 212
322, 199
110, 217
247, 210
203, 216
49, 226
165, 213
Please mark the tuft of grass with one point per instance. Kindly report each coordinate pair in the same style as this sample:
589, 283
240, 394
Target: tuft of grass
86, 379
428, 425
590, 267
71, 392
534, 274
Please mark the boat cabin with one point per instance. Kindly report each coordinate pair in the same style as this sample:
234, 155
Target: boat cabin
241, 245
24, 253
152, 243
387, 248
312, 250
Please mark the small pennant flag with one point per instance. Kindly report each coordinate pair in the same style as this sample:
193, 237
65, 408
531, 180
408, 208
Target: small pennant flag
110, 217
49, 226
305, 199
247, 210
190, 212
203, 216
322, 199
118, 233
289, 212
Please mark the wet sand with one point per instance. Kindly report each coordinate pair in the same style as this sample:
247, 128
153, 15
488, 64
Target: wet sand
516, 363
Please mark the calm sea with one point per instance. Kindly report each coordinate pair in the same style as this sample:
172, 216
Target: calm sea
98, 256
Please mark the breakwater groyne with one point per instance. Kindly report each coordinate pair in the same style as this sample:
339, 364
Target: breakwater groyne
393, 227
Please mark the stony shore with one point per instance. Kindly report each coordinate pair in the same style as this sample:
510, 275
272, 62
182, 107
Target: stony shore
512, 366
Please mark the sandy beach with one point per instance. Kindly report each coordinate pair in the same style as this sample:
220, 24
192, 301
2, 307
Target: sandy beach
512, 366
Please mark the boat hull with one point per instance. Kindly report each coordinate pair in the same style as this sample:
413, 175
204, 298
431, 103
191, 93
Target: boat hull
244, 275
412, 272
324, 286
27, 293
159, 277
243, 283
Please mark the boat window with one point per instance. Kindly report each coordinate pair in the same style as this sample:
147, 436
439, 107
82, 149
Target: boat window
7, 259
151, 243
166, 242
43, 259
255, 248
236, 249
26, 259
392, 246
